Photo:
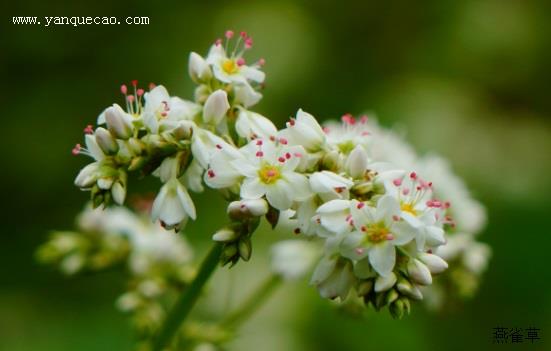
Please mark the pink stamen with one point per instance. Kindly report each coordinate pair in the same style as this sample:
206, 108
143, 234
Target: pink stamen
243, 34
397, 181
298, 154
348, 119
405, 191
139, 92
363, 119
360, 205
259, 142
291, 121
124, 89
283, 141
259, 154
76, 150
218, 42
413, 175
240, 61
248, 43
130, 98
89, 129
229, 34
325, 129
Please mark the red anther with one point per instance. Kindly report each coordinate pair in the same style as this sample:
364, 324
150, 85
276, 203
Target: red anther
164, 114
248, 43
339, 189
139, 92
130, 98
395, 218
218, 42
413, 175
259, 142
283, 141
240, 61
348, 119
229, 34
89, 129
259, 154
430, 184
397, 181
76, 150
447, 204
210, 173
363, 228
297, 231
405, 191
281, 159
135, 83
418, 188
218, 146
152, 86
429, 251
243, 34
124, 89
272, 138
261, 62
360, 205
292, 121
287, 155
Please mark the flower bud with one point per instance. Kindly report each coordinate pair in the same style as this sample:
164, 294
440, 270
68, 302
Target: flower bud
434, 263
364, 287
118, 191
391, 296
198, 68
245, 248
225, 235
119, 122
244, 209
216, 107
419, 272
357, 162
87, 176
331, 160
106, 142
385, 283
406, 288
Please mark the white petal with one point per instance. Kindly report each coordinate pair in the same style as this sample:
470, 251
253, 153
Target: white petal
279, 195
382, 257
252, 188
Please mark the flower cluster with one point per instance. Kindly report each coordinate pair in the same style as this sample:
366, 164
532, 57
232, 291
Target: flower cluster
382, 214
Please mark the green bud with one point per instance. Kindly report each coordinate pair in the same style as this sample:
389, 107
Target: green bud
392, 296
138, 163
245, 248
397, 309
364, 287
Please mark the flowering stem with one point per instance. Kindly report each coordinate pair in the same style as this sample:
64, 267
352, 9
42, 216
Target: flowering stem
186, 302
252, 302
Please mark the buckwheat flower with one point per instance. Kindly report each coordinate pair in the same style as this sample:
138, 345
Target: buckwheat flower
246, 96
304, 130
467, 213
384, 145
231, 68
378, 231
267, 170
420, 209
252, 125
348, 134
204, 144
216, 107
173, 205
333, 276
119, 122
198, 68
329, 186
293, 259
335, 216
161, 107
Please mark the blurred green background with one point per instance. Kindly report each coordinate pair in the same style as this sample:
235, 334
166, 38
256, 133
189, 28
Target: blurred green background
468, 79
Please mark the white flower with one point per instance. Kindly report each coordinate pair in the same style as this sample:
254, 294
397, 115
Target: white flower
377, 231
333, 275
173, 204
330, 186
345, 136
420, 210
199, 69
268, 169
216, 107
119, 122
467, 213
204, 144
232, 69
335, 216
292, 259
252, 125
161, 108
304, 130
384, 145
356, 163
246, 96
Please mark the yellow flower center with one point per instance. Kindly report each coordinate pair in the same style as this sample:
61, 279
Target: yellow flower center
408, 207
376, 233
269, 174
230, 66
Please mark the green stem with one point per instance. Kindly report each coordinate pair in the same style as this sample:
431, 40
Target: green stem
252, 302
183, 306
